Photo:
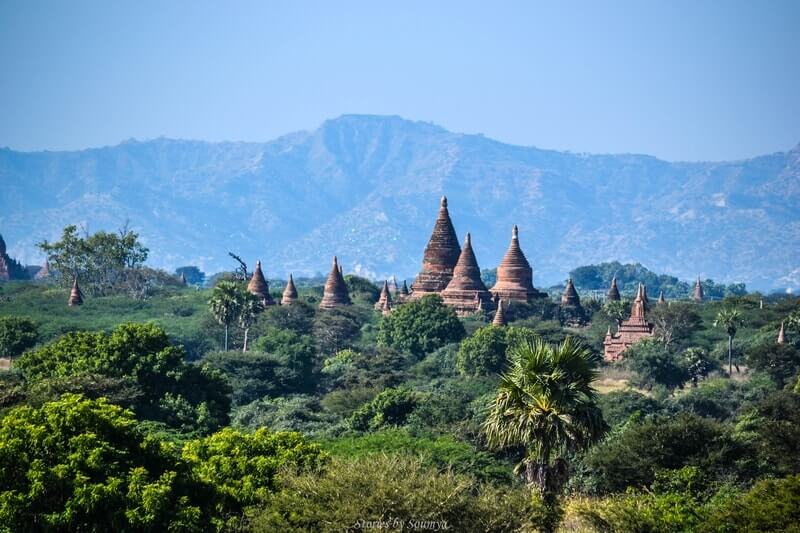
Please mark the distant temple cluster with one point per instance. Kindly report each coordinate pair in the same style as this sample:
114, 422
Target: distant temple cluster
451, 272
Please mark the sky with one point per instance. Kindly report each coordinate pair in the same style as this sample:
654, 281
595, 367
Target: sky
682, 80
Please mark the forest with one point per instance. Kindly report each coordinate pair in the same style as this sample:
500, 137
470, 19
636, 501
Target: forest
170, 402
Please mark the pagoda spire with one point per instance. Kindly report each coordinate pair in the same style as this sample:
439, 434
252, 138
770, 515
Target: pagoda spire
259, 287
466, 291
335, 292
514, 274
613, 291
385, 299
289, 293
440, 256
570, 297
697, 295
499, 316
404, 289
782, 335
661, 298
75, 295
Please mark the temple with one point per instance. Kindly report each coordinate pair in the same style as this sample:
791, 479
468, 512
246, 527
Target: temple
289, 293
385, 300
661, 298
613, 291
570, 296
43, 272
782, 335
393, 285
515, 275
404, 291
259, 287
440, 257
75, 295
697, 295
630, 331
466, 291
571, 312
335, 292
499, 316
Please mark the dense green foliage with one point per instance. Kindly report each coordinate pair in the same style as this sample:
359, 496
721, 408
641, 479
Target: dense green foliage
173, 391
421, 326
16, 335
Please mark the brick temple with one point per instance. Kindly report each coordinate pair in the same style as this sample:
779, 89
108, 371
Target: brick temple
515, 275
466, 291
630, 331
440, 256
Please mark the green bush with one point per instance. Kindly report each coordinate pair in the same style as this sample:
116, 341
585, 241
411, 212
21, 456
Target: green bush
389, 408
654, 364
619, 406
485, 351
393, 492
420, 326
300, 413
16, 335
141, 355
771, 505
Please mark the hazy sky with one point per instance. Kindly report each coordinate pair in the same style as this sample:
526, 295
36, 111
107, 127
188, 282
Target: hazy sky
682, 80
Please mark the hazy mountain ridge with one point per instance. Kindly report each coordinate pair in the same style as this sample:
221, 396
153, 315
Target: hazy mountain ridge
366, 188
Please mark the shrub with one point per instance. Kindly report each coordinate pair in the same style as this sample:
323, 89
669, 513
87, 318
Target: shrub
389, 408
654, 364
420, 326
619, 406
16, 335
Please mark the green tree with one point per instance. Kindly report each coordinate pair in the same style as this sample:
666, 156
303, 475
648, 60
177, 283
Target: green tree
780, 361
103, 261
83, 465
194, 276
421, 326
16, 335
615, 309
391, 407
730, 319
225, 304
485, 351
546, 404
140, 355
674, 323
249, 308
654, 363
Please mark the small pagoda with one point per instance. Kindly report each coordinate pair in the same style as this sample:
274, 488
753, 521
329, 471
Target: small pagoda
289, 293
515, 275
613, 291
697, 294
630, 331
466, 291
571, 312
440, 256
385, 300
782, 334
335, 292
259, 287
75, 295
499, 316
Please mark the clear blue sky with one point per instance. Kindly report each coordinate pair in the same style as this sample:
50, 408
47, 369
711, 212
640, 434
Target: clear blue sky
686, 80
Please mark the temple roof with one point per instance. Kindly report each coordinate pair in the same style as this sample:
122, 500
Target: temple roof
514, 270
290, 292
335, 292
638, 306
570, 296
466, 274
499, 316
385, 298
613, 291
440, 256
259, 287
75, 295
697, 295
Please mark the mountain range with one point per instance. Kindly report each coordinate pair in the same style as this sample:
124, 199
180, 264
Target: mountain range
367, 189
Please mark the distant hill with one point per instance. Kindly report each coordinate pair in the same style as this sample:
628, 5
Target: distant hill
367, 187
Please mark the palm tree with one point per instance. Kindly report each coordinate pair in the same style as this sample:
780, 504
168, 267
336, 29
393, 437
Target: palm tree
730, 319
249, 308
546, 404
225, 303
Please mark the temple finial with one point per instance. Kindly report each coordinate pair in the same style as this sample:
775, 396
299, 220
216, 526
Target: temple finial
443, 201
515, 232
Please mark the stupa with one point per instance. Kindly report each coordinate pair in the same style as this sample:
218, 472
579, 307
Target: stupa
499, 316
466, 291
782, 335
335, 292
661, 299
393, 285
259, 287
613, 291
630, 331
404, 290
570, 296
440, 257
44, 272
385, 300
515, 275
697, 295
289, 293
75, 295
